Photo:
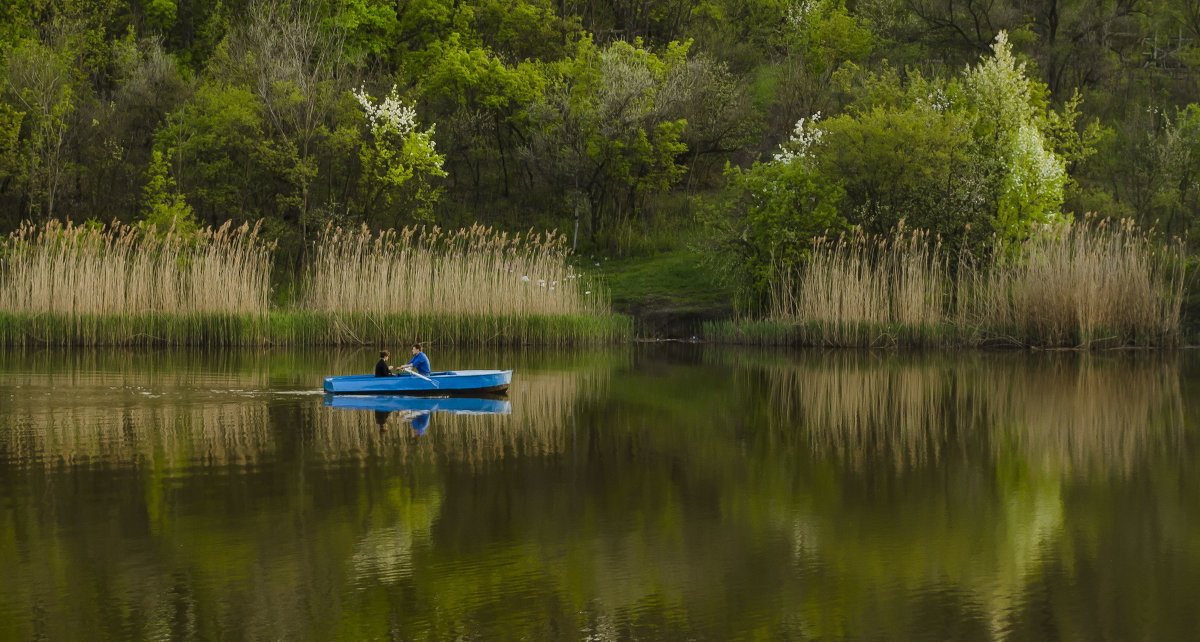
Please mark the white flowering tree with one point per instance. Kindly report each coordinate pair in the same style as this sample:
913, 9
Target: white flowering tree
399, 160
1009, 120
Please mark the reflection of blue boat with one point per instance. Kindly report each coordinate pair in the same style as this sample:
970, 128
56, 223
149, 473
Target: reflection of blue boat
392, 403
437, 383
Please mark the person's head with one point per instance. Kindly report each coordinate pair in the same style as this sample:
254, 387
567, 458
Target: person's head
416, 348
384, 354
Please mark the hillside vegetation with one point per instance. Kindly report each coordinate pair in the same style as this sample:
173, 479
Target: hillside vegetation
755, 126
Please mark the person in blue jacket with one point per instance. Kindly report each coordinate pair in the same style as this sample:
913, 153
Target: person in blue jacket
419, 362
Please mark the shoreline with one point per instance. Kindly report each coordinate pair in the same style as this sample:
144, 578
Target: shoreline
303, 327
845, 335
312, 328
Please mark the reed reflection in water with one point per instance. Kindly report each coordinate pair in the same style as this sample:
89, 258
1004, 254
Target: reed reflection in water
1077, 413
96, 411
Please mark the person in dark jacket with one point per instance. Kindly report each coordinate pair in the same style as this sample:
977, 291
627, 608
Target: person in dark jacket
382, 369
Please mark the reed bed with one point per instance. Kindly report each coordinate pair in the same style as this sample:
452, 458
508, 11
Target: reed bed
80, 284
62, 284
319, 327
1088, 284
857, 289
1094, 283
471, 286
473, 275
79, 271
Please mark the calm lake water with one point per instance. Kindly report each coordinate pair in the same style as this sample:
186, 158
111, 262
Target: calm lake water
644, 492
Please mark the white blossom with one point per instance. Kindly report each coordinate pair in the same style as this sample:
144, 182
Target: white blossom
804, 137
391, 114
1034, 167
393, 117
936, 100
1000, 87
798, 13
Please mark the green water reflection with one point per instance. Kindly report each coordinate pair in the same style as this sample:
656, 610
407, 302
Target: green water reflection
643, 492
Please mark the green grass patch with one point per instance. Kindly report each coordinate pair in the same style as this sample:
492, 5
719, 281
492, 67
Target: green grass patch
677, 279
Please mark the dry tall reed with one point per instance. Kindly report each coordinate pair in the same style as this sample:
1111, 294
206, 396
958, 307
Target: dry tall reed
67, 284
1076, 284
1085, 284
474, 271
78, 270
857, 289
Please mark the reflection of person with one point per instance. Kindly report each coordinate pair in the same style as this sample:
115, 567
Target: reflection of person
382, 369
381, 417
419, 362
420, 422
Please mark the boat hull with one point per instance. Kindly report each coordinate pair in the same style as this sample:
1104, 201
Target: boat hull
460, 382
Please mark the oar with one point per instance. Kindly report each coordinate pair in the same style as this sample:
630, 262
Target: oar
407, 368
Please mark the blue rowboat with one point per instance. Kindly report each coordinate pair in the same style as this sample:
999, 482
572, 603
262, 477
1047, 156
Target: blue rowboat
461, 382
402, 403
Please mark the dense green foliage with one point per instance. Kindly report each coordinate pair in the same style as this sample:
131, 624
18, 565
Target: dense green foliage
778, 118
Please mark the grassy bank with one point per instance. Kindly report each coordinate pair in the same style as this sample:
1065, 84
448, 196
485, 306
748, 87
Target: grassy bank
83, 285
779, 332
669, 293
306, 327
1086, 285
